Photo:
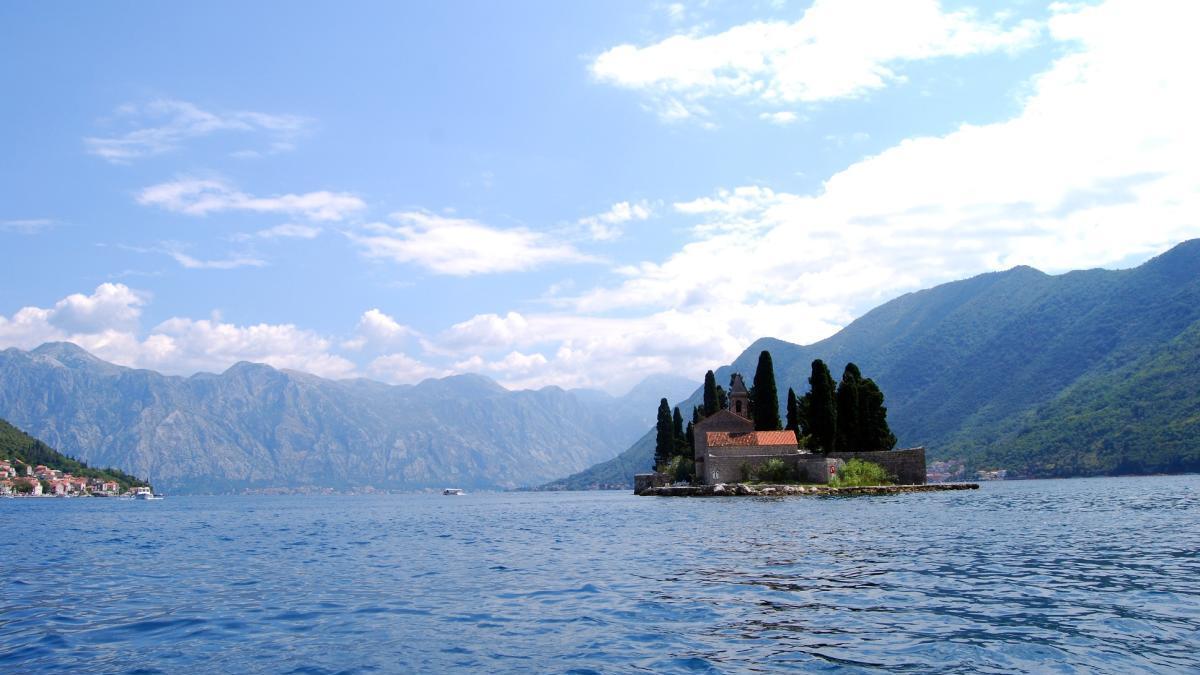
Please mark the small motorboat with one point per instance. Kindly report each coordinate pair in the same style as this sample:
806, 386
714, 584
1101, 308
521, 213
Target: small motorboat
145, 494
453, 492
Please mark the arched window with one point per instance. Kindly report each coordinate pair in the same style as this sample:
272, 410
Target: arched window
739, 407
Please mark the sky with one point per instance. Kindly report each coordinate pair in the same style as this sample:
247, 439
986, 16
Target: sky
575, 194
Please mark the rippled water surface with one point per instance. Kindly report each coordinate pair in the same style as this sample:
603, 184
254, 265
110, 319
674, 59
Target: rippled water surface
1099, 574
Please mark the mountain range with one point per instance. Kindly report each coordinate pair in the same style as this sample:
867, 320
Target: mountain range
256, 427
1092, 372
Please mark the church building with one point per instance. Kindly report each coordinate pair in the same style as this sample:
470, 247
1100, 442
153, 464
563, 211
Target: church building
727, 445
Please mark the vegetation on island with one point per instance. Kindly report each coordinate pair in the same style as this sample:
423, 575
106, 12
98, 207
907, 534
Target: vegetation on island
21, 449
860, 473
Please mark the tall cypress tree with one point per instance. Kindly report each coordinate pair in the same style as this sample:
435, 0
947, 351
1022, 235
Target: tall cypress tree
677, 432
711, 402
764, 396
690, 439
822, 408
722, 398
849, 418
792, 412
664, 438
876, 435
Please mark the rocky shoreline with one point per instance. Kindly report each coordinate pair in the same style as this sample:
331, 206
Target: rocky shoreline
745, 490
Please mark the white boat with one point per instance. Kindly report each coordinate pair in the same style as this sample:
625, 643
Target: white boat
144, 493
453, 492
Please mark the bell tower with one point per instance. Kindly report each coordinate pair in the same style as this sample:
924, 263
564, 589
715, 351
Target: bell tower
739, 397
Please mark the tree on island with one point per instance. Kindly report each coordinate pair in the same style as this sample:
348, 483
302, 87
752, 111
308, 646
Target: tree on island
680, 439
849, 421
792, 421
711, 402
875, 434
821, 408
722, 398
764, 396
664, 438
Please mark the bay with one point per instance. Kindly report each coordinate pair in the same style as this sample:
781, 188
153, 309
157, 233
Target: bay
1100, 575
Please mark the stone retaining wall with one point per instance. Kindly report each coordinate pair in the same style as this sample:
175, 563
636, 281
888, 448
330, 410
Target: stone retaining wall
744, 490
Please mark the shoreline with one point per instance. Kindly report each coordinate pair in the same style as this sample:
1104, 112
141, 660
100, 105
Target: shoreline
745, 490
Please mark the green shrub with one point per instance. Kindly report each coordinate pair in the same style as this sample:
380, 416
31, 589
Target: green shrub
774, 470
857, 473
678, 468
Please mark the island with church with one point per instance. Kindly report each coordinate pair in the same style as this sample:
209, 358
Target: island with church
835, 440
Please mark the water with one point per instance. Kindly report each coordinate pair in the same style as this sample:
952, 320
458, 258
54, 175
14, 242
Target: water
1101, 575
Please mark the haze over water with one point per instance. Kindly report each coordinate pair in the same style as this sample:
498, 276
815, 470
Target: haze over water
1097, 574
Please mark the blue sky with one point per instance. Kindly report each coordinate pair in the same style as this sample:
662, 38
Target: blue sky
563, 193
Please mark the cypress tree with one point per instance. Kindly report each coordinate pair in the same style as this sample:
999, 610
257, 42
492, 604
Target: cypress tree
664, 439
792, 421
764, 396
711, 402
876, 435
690, 439
696, 415
677, 432
822, 409
849, 418
722, 398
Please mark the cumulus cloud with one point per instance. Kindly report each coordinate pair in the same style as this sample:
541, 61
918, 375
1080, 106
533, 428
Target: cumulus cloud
378, 330
107, 323
164, 125
200, 197
399, 368
607, 226
460, 247
838, 49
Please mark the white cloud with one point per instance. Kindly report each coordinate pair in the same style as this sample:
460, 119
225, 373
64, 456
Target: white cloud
1097, 167
607, 226
399, 368
164, 125
461, 247
838, 49
378, 330
106, 323
284, 231
232, 262
782, 117
200, 197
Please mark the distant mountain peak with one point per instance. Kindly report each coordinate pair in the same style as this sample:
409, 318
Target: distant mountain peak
71, 354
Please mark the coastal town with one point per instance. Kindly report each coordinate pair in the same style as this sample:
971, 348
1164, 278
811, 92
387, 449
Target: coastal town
19, 479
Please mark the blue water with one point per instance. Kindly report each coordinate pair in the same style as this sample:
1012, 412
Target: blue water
1101, 575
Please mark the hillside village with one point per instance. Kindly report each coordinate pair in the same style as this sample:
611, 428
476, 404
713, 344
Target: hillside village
37, 481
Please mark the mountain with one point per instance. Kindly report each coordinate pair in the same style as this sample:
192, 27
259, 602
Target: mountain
1086, 373
254, 426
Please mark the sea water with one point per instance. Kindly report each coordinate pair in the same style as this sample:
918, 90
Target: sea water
1101, 575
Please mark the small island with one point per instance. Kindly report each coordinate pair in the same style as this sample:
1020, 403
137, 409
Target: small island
836, 441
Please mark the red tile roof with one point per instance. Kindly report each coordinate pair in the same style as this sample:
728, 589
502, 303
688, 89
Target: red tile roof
749, 438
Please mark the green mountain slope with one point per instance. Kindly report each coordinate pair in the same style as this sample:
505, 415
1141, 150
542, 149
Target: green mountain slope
21, 447
988, 368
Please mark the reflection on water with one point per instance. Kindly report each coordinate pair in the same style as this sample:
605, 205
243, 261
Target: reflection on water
1098, 574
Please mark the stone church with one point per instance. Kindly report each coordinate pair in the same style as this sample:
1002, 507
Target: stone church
726, 443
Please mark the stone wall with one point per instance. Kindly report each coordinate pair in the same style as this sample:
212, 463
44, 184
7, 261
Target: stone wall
727, 467
908, 466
